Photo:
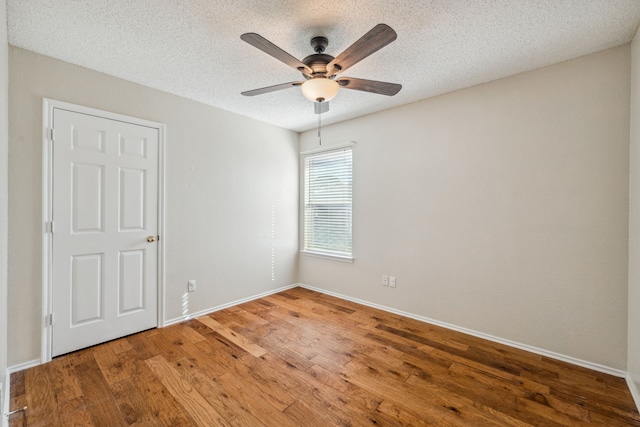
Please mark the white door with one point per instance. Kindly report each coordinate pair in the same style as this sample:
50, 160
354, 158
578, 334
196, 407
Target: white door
105, 230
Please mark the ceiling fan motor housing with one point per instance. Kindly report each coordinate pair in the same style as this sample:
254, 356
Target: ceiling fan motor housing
318, 63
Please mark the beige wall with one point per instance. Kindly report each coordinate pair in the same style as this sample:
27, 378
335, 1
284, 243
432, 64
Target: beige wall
633, 367
4, 133
501, 208
229, 179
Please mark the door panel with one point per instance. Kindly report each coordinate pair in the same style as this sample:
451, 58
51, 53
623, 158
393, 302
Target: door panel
86, 288
87, 197
132, 145
131, 281
132, 199
105, 205
86, 138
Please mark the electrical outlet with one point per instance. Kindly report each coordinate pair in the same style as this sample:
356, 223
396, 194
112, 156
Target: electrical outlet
191, 285
392, 281
385, 280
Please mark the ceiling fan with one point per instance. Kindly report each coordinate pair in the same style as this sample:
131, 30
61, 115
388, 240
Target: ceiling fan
321, 71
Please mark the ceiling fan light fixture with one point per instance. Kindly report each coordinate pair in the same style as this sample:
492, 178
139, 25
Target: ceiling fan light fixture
320, 89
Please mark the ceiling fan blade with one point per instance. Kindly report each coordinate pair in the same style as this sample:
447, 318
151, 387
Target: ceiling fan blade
373, 86
268, 89
377, 38
256, 40
320, 107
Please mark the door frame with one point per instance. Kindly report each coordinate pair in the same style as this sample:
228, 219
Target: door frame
48, 107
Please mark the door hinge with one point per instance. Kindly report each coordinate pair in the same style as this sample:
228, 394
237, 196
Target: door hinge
48, 227
50, 319
51, 134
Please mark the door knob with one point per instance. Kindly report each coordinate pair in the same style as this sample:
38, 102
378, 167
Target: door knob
151, 239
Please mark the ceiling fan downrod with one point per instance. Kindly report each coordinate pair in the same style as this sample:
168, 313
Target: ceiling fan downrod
319, 44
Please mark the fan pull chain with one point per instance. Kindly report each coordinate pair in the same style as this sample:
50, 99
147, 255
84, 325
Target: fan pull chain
319, 129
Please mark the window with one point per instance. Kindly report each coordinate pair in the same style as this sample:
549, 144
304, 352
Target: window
327, 203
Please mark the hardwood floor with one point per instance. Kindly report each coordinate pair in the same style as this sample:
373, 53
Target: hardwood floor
300, 358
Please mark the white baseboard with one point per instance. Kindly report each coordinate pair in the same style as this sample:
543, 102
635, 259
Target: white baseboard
227, 305
4, 399
635, 393
525, 347
36, 362
23, 366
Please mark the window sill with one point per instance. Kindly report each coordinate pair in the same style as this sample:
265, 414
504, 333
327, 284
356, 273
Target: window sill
328, 256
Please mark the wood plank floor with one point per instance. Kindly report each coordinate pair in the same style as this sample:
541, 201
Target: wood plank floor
300, 358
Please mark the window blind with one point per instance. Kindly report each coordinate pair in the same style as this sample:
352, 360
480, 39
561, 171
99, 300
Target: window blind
328, 183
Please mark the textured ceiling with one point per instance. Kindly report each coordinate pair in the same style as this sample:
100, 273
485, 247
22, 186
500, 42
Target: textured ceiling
192, 48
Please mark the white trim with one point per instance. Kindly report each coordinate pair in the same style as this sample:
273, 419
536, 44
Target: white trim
328, 256
22, 366
227, 305
47, 241
36, 362
575, 361
48, 106
329, 148
162, 132
635, 393
525, 347
99, 113
4, 399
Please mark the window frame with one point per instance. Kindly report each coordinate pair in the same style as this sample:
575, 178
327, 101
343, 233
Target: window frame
320, 254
